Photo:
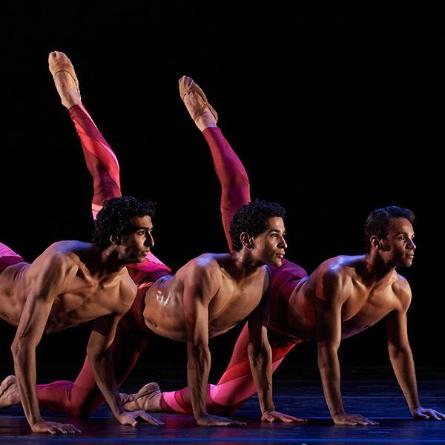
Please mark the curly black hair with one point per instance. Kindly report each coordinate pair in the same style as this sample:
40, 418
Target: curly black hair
114, 218
252, 219
378, 221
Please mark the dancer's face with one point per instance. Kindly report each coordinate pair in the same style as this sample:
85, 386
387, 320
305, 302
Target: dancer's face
134, 247
397, 248
270, 246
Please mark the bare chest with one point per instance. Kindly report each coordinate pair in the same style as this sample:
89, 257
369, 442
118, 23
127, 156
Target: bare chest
364, 309
164, 311
83, 301
12, 293
232, 304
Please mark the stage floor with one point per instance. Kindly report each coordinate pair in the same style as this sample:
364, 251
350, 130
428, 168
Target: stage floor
380, 400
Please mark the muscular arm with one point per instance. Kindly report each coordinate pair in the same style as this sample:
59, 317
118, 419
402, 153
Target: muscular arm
401, 357
329, 300
399, 351
328, 306
260, 360
199, 289
48, 275
201, 284
99, 356
260, 356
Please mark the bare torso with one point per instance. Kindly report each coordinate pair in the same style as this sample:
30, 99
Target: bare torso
233, 301
79, 295
365, 304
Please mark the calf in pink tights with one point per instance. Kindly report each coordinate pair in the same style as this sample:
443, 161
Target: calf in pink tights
235, 284
342, 297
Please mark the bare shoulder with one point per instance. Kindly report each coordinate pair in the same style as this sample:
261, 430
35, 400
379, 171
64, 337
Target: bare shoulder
52, 271
331, 277
203, 274
204, 266
338, 266
402, 290
58, 255
66, 250
127, 290
69, 246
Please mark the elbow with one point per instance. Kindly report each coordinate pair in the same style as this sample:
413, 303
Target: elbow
326, 348
16, 348
20, 348
326, 353
199, 349
397, 351
198, 353
259, 352
95, 355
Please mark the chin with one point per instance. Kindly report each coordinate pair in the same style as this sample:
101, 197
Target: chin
277, 262
406, 263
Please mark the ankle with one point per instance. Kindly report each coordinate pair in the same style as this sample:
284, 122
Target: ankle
205, 120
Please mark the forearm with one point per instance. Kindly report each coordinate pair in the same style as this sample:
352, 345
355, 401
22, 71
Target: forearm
25, 370
198, 368
329, 367
102, 367
261, 367
403, 365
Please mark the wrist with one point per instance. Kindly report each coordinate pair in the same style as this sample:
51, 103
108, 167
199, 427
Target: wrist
414, 408
36, 420
201, 415
117, 409
199, 411
269, 407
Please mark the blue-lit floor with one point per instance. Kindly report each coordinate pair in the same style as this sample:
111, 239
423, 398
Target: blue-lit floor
380, 400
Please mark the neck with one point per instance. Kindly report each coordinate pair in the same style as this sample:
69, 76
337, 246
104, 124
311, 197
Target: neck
375, 268
103, 261
242, 263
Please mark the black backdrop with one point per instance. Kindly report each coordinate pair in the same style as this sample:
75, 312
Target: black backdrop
333, 113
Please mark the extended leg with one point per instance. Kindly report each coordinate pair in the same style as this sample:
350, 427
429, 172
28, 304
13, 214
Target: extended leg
232, 176
100, 159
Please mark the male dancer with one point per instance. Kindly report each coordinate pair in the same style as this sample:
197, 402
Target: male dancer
205, 298
71, 283
344, 296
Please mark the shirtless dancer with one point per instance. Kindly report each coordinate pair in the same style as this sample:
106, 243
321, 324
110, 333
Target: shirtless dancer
205, 298
71, 283
344, 296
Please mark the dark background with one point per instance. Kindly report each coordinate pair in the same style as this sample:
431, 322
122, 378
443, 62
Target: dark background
333, 113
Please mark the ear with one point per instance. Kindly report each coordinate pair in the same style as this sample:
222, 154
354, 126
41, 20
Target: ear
115, 239
247, 240
375, 241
